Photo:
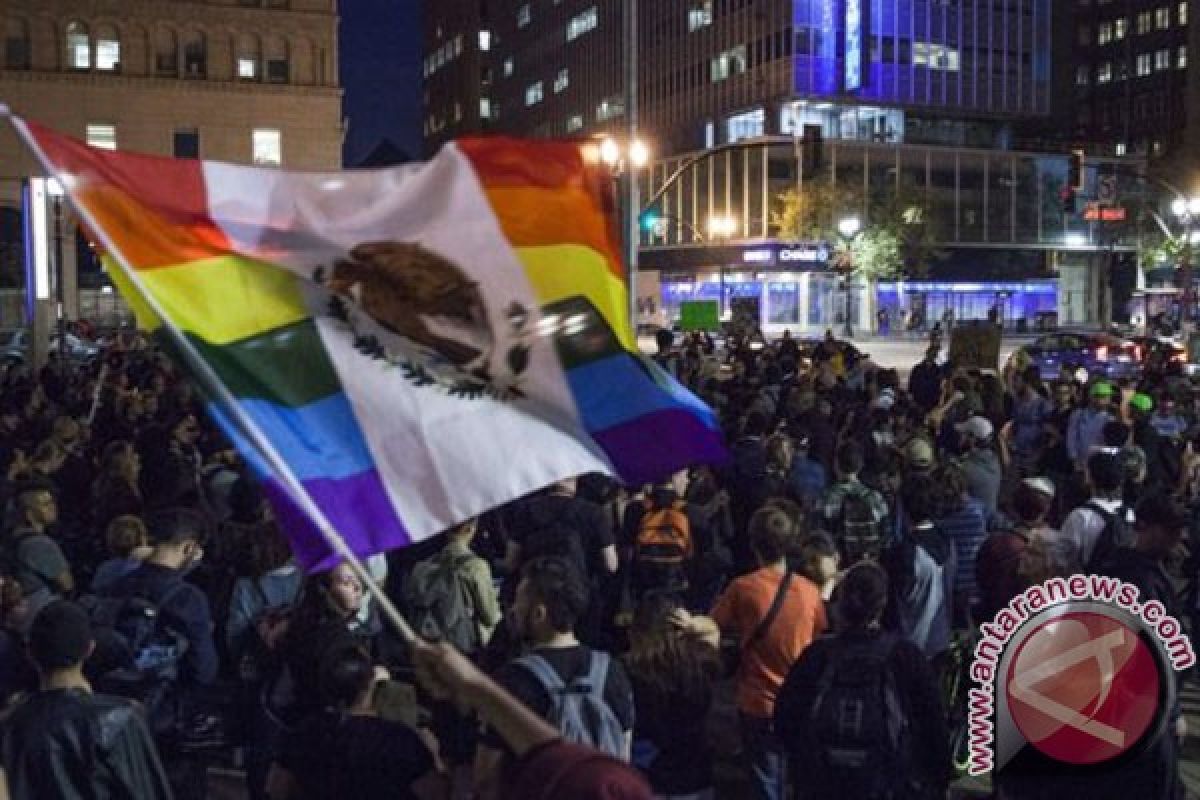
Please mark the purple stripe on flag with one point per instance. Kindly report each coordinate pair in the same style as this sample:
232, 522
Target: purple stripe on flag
357, 506
658, 444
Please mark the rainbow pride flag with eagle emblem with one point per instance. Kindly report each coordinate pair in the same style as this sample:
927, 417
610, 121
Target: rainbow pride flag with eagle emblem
412, 346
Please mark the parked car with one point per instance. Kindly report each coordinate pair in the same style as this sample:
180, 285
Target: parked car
15, 349
1087, 354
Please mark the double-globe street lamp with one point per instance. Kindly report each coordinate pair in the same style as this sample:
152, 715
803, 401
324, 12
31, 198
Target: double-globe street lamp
849, 228
626, 158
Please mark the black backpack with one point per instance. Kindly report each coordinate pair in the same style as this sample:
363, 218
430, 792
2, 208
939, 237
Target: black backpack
138, 653
1117, 533
859, 724
547, 533
860, 533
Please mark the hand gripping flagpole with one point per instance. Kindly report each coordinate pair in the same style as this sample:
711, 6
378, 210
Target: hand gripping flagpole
237, 414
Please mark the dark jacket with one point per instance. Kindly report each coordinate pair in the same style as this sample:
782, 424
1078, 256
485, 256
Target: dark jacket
69, 744
925, 385
187, 611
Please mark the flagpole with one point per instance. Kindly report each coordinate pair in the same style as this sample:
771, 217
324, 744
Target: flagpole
245, 425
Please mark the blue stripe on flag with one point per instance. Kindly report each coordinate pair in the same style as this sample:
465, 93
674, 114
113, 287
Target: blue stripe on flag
618, 389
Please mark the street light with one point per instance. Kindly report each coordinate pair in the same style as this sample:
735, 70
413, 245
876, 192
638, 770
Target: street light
625, 159
722, 227
848, 227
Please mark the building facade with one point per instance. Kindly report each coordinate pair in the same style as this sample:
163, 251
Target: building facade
249, 81
1132, 89
457, 70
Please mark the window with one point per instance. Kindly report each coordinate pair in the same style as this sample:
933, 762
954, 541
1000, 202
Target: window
1145, 64
278, 67
1084, 36
16, 45
1144, 22
268, 147
582, 23
485, 108
746, 126
731, 62
1162, 18
533, 94
1181, 57
1183, 12
249, 57
108, 50
574, 123
700, 16
79, 46
102, 136
187, 143
247, 69
1104, 72
485, 41
1162, 59
935, 56
166, 53
610, 107
508, 67
1121, 149
1120, 28
195, 56
562, 80
1081, 76
1104, 33
524, 16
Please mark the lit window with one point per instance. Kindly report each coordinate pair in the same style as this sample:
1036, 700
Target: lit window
508, 66
562, 81
1162, 18
746, 126
1121, 149
574, 123
1104, 72
1145, 64
609, 108
1081, 76
1181, 57
1120, 28
1162, 59
700, 16
102, 136
268, 147
1104, 33
731, 62
1183, 12
247, 68
533, 94
582, 23
108, 54
1144, 22
524, 15
485, 108
458, 45
79, 47
485, 41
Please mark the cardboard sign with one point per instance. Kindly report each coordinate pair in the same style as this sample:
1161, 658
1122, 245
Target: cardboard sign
699, 315
975, 345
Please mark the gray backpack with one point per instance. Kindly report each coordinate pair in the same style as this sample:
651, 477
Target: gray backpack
439, 597
578, 709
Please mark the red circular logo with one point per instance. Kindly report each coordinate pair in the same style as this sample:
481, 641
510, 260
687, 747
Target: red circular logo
1083, 688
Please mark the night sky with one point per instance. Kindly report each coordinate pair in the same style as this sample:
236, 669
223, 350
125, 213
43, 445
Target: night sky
381, 73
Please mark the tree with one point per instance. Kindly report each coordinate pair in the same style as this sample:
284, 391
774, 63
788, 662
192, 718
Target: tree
875, 254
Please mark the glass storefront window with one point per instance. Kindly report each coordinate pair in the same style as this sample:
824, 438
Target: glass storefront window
783, 303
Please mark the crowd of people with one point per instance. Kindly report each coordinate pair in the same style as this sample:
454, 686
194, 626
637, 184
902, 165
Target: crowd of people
578, 642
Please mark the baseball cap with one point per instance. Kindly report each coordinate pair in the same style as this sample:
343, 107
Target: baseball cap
918, 453
1101, 389
1141, 402
979, 427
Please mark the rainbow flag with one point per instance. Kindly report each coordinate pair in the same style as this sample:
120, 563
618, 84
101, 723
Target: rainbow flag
416, 345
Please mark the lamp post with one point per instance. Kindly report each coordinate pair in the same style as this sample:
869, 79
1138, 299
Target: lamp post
55, 190
626, 159
1186, 211
849, 228
721, 227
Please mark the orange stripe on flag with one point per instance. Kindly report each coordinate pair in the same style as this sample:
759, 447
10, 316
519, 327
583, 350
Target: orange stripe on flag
171, 212
544, 217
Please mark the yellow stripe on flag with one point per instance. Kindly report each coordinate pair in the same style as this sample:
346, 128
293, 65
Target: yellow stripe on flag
147, 320
223, 300
567, 270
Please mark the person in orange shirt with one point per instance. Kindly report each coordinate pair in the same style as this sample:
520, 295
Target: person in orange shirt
775, 614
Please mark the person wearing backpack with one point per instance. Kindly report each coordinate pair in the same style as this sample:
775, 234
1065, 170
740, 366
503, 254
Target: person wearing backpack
36, 558
859, 713
451, 596
1102, 525
853, 512
585, 693
660, 533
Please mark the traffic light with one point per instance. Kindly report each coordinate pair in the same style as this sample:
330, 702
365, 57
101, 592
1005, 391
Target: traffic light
814, 148
649, 221
1067, 195
1075, 170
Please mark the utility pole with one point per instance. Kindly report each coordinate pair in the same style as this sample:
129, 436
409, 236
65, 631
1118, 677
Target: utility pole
633, 231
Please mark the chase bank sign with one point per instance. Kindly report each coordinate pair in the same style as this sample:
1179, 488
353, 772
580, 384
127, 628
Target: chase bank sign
814, 253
